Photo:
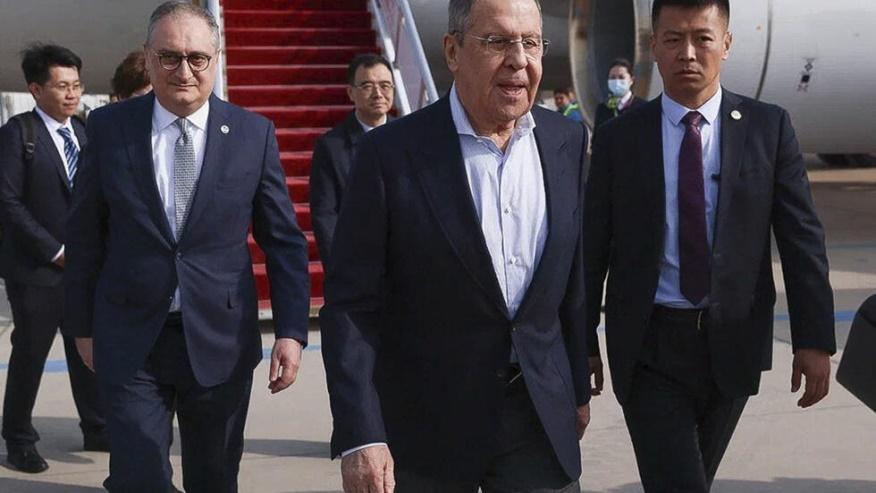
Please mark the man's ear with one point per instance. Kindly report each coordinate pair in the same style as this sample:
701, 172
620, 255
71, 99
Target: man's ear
728, 40
451, 52
36, 90
350, 90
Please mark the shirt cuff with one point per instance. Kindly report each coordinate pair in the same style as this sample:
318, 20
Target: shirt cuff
356, 449
58, 255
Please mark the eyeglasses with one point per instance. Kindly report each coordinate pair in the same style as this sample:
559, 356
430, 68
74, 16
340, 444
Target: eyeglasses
368, 87
65, 87
533, 47
198, 62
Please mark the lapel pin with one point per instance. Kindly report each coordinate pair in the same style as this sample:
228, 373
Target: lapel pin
736, 115
224, 129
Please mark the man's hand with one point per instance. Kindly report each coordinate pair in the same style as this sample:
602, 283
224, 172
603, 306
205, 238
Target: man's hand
59, 261
370, 470
85, 349
815, 365
583, 419
285, 360
596, 374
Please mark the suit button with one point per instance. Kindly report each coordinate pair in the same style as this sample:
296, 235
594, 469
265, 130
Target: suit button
179, 255
502, 374
513, 328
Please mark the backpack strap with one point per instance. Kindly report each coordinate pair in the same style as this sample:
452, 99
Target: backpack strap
28, 134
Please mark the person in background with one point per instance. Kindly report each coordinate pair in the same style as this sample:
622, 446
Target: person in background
621, 97
564, 99
130, 79
39, 157
370, 88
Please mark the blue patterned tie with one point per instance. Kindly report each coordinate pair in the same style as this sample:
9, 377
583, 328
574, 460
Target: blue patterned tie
70, 152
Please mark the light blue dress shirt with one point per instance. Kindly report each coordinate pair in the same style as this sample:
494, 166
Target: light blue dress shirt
508, 193
669, 286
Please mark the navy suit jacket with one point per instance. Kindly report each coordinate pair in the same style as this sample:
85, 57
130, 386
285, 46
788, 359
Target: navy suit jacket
123, 263
416, 334
34, 200
763, 190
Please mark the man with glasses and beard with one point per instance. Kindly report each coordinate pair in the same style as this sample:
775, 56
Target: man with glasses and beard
159, 275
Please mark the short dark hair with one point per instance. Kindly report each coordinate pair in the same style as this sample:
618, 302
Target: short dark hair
130, 75
723, 6
38, 58
621, 62
366, 60
567, 90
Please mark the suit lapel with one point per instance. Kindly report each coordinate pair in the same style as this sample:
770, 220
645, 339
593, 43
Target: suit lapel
733, 135
48, 148
558, 201
213, 152
445, 184
138, 137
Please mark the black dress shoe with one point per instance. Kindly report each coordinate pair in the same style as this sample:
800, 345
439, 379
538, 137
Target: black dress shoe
97, 442
26, 459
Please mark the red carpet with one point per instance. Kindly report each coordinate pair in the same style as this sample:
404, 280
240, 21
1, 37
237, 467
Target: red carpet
287, 60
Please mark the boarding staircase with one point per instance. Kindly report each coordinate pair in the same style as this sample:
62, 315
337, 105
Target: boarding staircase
286, 59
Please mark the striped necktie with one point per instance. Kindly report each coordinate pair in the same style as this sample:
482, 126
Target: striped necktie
70, 152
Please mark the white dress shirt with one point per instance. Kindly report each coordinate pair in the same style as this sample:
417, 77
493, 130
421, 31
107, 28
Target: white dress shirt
509, 197
368, 128
669, 286
53, 126
164, 137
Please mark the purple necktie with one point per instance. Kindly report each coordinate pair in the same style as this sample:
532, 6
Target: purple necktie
693, 245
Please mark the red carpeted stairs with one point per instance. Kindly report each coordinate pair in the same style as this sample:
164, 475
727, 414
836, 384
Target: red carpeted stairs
287, 60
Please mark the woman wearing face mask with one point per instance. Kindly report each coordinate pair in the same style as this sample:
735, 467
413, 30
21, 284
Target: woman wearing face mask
621, 97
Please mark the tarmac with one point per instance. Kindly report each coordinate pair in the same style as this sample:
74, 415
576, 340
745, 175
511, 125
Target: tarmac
777, 448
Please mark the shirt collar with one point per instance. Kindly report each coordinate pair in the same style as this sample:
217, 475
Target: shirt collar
163, 118
51, 123
626, 99
675, 111
368, 128
525, 124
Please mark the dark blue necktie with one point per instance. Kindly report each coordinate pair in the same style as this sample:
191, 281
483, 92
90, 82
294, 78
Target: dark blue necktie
70, 152
692, 241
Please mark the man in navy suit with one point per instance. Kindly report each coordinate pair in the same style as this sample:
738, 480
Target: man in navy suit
370, 88
39, 155
453, 334
159, 273
684, 195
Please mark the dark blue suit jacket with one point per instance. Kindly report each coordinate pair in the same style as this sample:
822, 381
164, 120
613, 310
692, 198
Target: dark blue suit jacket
34, 200
763, 191
123, 263
416, 335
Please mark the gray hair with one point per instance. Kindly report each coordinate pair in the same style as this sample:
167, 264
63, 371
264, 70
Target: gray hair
458, 13
178, 8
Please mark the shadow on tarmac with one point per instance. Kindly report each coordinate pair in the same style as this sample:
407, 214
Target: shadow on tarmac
777, 485
287, 448
25, 486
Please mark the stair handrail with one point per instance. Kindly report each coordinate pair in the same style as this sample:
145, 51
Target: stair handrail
400, 41
220, 85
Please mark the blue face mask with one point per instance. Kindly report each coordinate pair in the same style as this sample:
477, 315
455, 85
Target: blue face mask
618, 87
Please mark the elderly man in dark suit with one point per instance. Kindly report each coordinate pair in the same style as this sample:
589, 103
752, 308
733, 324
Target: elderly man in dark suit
453, 333
39, 157
684, 193
159, 273
370, 88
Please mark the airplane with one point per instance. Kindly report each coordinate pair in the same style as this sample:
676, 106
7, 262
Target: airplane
813, 58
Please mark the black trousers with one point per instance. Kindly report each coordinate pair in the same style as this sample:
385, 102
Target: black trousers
679, 422
37, 313
525, 462
140, 424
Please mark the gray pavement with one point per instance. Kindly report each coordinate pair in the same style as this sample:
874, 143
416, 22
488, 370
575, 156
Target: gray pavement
778, 448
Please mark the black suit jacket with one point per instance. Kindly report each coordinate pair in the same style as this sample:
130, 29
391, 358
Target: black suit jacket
604, 113
416, 335
763, 189
329, 169
34, 201
123, 263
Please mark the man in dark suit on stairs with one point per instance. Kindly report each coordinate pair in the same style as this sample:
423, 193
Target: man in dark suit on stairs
39, 157
159, 272
453, 334
371, 89
683, 197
